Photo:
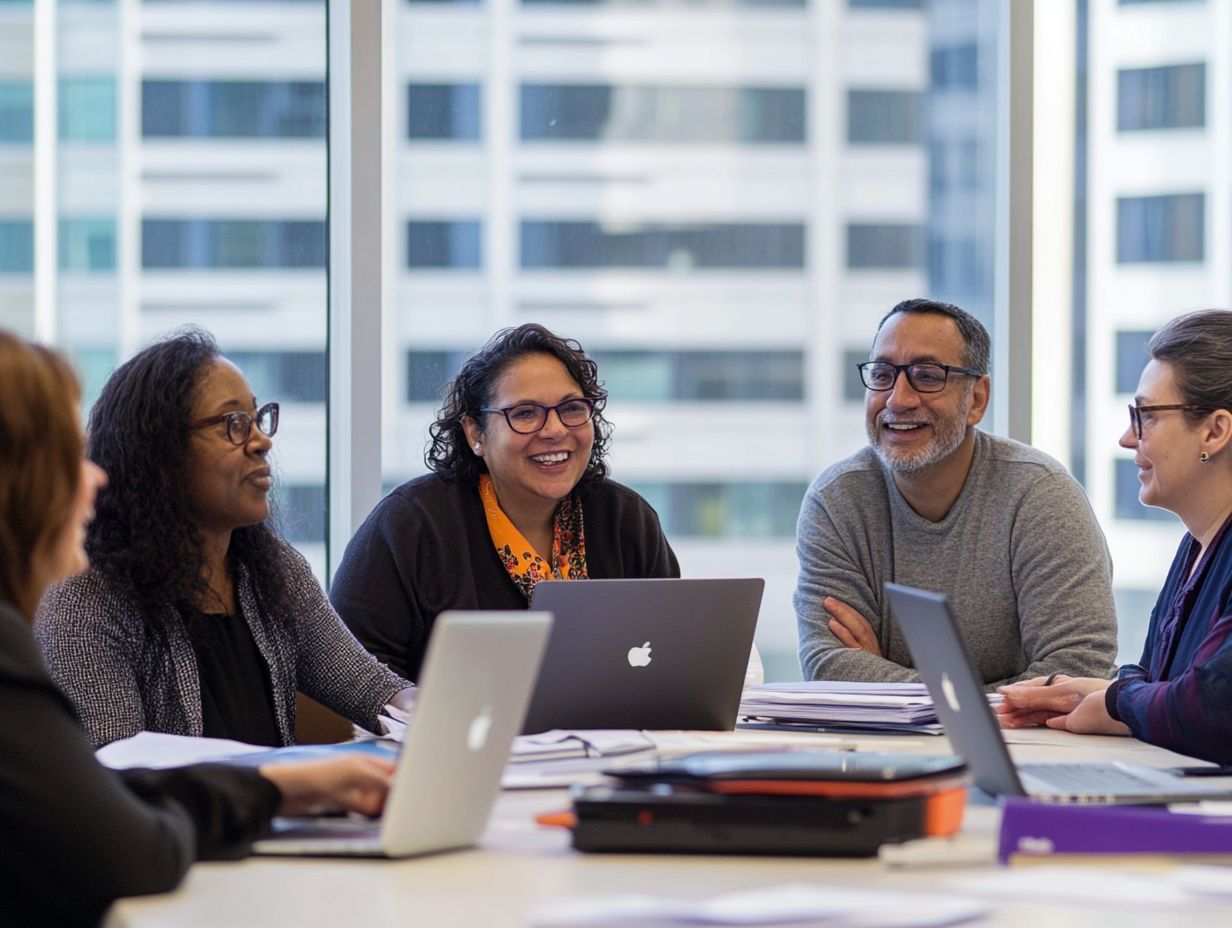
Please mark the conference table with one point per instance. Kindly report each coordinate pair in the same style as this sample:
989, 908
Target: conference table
520, 866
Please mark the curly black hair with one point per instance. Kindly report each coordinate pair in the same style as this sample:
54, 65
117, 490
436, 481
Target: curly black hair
143, 535
449, 455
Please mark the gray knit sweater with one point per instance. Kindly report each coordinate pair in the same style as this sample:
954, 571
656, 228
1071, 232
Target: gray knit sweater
125, 675
1019, 555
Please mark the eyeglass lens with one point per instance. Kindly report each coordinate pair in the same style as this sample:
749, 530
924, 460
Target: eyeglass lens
924, 378
531, 417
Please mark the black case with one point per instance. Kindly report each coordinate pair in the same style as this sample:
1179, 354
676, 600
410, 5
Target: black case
675, 818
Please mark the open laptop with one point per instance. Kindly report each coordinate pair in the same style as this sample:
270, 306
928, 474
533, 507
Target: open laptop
657, 653
957, 690
474, 688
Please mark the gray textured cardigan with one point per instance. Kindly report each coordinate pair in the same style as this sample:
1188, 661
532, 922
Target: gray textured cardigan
125, 675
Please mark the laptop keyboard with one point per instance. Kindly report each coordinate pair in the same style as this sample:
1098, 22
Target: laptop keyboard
1089, 778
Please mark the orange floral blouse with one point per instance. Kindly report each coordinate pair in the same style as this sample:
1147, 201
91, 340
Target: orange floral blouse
525, 565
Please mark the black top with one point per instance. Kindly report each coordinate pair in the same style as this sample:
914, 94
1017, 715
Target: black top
74, 835
237, 700
426, 548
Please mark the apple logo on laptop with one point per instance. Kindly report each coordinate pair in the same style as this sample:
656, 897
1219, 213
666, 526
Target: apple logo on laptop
477, 732
639, 657
951, 695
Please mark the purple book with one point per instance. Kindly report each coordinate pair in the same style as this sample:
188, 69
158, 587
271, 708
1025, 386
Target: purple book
1040, 828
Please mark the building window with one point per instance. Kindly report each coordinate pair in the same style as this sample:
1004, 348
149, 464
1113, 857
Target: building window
232, 109
301, 512
1160, 228
87, 109
601, 112
232, 243
853, 386
549, 244
1171, 97
885, 117
744, 510
884, 246
1126, 488
702, 376
443, 244
1131, 358
16, 112
16, 246
885, 4
427, 372
87, 245
443, 111
954, 67
284, 376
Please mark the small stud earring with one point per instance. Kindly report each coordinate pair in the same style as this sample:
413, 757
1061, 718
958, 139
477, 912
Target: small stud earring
1204, 457
477, 448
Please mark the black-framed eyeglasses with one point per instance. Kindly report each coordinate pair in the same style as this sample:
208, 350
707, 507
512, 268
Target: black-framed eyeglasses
528, 418
1135, 413
924, 377
239, 424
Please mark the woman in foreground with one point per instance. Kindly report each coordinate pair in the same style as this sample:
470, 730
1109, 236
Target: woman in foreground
73, 835
1179, 695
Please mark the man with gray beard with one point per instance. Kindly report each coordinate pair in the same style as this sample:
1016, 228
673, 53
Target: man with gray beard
1000, 528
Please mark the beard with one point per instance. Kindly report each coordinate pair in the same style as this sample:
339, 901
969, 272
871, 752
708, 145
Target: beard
948, 434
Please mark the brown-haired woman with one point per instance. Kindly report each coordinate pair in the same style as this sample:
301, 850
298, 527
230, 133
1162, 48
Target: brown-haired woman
518, 492
75, 835
1179, 694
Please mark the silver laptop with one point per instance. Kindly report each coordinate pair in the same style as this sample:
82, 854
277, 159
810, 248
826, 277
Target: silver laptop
661, 653
957, 690
474, 688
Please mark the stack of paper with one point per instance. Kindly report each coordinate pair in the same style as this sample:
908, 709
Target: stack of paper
904, 707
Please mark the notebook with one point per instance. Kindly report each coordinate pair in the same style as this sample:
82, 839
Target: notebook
957, 689
649, 653
477, 678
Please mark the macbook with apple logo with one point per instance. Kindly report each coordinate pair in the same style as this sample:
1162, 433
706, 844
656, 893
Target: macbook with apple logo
473, 693
957, 690
644, 653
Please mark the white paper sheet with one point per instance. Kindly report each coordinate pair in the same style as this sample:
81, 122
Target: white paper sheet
157, 750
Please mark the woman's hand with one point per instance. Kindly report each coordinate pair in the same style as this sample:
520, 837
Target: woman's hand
1037, 701
1090, 718
352, 783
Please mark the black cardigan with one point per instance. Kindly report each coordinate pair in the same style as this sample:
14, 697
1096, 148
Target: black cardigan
75, 835
426, 548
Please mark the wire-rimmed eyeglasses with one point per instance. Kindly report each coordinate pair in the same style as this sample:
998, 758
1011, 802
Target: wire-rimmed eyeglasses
528, 418
924, 377
1135, 413
239, 424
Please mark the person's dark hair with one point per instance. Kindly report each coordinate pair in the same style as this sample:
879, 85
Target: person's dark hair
40, 461
977, 346
143, 535
449, 455
1198, 346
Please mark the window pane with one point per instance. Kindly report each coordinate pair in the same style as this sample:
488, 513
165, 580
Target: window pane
547, 244
1131, 358
443, 244
188, 182
443, 111
884, 117
1161, 228
883, 246
1169, 97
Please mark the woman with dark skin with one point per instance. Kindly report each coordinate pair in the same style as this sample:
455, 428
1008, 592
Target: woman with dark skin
196, 618
74, 835
518, 492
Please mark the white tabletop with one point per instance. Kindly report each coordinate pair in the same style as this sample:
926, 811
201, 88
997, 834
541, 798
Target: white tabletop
520, 866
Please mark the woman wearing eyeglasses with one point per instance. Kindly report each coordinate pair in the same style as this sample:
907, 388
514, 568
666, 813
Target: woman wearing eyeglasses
73, 835
518, 493
196, 618
1179, 694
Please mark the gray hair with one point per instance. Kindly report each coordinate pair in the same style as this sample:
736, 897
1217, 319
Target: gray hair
1198, 347
977, 346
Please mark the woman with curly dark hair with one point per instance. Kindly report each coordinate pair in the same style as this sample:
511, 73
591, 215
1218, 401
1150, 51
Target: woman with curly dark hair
518, 493
196, 618
75, 835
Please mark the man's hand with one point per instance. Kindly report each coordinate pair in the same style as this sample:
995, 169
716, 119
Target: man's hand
850, 628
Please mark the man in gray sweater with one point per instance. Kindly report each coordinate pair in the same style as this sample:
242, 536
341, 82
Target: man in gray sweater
997, 526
